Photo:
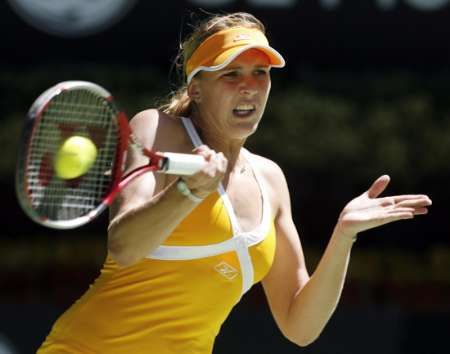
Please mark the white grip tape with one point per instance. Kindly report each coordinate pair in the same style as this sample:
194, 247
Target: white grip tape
183, 164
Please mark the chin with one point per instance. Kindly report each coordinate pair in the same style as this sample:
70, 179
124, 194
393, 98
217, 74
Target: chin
244, 129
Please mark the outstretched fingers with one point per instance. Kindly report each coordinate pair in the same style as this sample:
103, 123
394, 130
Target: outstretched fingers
378, 186
420, 202
406, 205
387, 216
402, 197
369, 210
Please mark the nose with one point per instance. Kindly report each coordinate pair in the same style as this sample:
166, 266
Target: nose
248, 87
248, 92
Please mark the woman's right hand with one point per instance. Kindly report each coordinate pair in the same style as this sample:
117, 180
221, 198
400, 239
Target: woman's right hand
208, 179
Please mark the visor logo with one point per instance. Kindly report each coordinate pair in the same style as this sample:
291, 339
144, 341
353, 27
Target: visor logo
241, 37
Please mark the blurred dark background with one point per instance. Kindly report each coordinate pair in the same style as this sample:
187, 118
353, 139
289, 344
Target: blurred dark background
365, 92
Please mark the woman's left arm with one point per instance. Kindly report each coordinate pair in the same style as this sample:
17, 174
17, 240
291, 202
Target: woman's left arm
302, 305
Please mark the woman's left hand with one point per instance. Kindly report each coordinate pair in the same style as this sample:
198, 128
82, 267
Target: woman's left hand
368, 211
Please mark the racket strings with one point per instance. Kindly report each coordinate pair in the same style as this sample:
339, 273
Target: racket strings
73, 112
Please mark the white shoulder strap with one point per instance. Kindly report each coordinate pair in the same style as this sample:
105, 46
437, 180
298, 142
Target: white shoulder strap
192, 132
265, 198
196, 141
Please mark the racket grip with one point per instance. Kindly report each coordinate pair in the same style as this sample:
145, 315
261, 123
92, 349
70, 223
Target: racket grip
182, 164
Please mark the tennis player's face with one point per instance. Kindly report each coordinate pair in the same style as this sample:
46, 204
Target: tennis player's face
231, 101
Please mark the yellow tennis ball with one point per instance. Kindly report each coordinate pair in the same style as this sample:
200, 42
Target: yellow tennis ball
74, 157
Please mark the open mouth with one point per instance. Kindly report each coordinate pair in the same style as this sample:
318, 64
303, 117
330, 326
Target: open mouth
244, 110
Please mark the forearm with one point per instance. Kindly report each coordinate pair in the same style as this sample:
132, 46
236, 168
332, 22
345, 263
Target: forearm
313, 305
137, 232
302, 305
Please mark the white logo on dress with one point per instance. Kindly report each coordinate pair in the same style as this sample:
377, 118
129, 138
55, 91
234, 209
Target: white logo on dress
226, 270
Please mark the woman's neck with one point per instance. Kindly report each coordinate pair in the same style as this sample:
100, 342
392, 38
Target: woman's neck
230, 148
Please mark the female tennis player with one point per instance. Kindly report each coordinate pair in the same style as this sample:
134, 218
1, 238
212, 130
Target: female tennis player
183, 251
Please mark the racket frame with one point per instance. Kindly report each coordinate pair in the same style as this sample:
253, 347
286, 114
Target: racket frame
34, 115
170, 163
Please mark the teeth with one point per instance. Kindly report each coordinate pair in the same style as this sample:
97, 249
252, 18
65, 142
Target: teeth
245, 107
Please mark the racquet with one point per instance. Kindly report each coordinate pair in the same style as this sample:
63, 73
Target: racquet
80, 108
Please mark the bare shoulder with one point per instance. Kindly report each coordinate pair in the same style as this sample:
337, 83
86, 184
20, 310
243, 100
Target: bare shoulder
157, 130
270, 170
152, 116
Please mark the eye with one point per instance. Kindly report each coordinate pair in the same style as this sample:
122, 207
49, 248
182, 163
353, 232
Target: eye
261, 72
230, 74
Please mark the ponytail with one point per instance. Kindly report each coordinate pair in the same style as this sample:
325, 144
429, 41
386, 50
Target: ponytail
179, 105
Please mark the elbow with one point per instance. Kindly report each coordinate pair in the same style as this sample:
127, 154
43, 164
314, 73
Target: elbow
300, 337
302, 340
123, 259
121, 256
122, 253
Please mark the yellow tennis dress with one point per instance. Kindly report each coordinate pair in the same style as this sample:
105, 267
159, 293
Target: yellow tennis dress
175, 300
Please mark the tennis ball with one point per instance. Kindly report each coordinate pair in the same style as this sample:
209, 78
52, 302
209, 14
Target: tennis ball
74, 157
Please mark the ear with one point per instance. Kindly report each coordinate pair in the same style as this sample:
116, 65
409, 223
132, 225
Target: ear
193, 91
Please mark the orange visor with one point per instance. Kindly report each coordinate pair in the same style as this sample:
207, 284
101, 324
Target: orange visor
221, 48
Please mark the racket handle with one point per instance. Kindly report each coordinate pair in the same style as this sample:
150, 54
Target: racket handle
182, 164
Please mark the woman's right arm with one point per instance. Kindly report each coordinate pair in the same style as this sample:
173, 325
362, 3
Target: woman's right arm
150, 207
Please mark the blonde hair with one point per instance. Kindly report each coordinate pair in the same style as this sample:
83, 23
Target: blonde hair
179, 103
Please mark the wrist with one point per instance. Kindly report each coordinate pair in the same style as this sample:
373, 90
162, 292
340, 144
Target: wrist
187, 192
343, 236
